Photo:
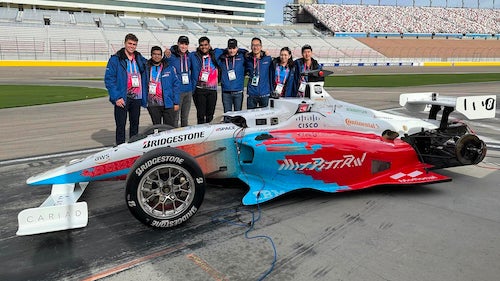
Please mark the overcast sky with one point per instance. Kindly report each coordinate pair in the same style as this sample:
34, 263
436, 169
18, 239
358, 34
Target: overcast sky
274, 8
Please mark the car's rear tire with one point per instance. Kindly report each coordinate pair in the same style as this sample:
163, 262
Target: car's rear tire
165, 187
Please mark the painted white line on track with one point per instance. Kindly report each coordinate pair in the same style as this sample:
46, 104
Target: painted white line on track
49, 156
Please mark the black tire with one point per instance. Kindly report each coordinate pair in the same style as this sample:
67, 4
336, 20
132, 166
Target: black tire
470, 150
153, 129
165, 187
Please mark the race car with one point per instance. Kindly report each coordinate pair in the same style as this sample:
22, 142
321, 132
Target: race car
311, 142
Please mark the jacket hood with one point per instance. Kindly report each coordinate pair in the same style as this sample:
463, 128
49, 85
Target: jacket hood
121, 54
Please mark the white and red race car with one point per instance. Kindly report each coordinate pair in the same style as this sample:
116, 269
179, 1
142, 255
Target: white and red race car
315, 142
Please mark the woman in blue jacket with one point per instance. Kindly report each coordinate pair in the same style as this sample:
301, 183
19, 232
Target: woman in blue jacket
163, 89
283, 75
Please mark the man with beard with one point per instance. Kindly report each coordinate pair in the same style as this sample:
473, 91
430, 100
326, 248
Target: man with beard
205, 76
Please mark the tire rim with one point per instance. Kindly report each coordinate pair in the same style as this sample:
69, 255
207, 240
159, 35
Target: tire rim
166, 191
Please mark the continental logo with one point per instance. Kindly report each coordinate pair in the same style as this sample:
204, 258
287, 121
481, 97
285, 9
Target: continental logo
357, 123
173, 139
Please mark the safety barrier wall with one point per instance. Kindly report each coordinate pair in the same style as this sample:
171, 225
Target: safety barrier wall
54, 63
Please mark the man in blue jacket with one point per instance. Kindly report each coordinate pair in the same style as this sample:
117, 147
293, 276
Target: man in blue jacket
306, 63
257, 66
178, 57
125, 80
232, 65
163, 89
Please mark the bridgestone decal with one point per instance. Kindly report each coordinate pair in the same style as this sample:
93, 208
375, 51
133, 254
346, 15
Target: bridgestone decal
158, 160
170, 223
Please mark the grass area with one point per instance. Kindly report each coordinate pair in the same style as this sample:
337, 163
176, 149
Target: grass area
404, 80
25, 95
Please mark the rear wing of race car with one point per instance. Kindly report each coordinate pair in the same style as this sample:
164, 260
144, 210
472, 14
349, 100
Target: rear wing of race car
472, 107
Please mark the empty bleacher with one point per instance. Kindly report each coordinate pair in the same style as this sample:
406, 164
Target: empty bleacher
54, 34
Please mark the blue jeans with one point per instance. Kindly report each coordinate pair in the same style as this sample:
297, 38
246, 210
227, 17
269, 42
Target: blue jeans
232, 101
257, 101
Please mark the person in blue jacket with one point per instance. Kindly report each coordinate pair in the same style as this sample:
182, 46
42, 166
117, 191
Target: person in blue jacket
178, 57
125, 80
283, 75
163, 89
232, 65
257, 67
205, 76
306, 63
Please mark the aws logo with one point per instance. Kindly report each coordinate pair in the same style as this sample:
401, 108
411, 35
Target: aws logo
102, 158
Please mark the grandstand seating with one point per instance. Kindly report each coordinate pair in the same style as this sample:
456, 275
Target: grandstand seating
401, 19
50, 34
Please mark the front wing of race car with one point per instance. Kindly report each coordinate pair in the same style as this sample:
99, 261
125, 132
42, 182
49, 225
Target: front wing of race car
59, 211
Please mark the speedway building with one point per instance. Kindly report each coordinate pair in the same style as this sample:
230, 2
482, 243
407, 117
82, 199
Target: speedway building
88, 30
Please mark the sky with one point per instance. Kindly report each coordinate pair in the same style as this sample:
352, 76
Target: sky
274, 8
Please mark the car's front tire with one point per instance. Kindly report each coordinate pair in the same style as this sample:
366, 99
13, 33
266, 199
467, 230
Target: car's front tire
165, 187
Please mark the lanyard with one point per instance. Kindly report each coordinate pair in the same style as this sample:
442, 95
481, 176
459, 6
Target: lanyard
206, 66
131, 66
227, 65
256, 66
304, 78
278, 72
157, 73
184, 62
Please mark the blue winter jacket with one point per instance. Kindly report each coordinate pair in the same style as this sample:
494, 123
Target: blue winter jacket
197, 64
226, 61
175, 61
170, 84
299, 68
264, 66
290, 83
115, 77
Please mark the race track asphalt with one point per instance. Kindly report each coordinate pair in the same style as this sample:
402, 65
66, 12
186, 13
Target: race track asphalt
446, 231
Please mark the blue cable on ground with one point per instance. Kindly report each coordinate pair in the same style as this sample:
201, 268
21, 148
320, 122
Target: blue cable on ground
250, 227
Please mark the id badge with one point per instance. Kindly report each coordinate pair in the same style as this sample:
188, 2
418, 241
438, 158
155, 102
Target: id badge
185, 78
152, 88
231, 74
204, 76
302, 87
135, 81
278, 89
255, 81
